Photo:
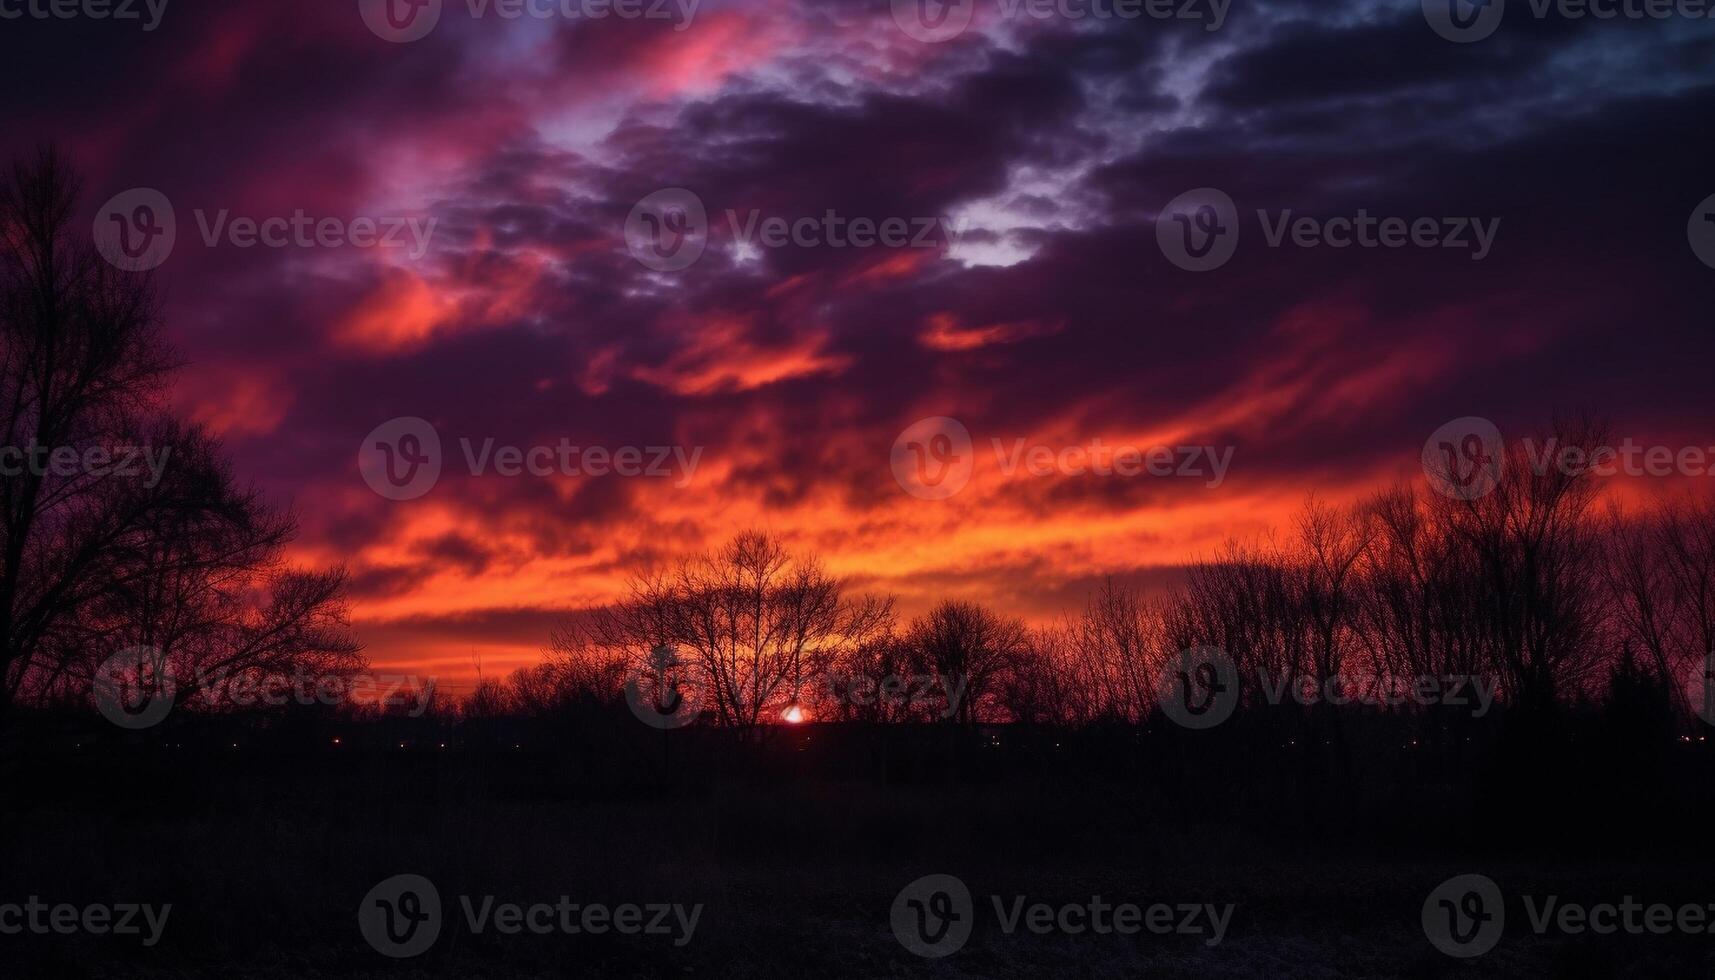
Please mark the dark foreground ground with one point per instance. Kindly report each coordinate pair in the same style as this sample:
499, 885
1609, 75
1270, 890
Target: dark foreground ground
265, 847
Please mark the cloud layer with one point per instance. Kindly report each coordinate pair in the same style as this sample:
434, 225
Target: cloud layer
1033, 154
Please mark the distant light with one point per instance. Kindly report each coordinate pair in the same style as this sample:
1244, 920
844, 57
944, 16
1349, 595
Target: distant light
336, 741
794, 715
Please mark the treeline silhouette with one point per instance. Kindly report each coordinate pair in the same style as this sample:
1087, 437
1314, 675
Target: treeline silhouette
1539, 592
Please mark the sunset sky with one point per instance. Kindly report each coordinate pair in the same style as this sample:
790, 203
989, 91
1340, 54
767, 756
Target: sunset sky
1050, 146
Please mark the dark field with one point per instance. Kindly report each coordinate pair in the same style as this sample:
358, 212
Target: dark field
797, 843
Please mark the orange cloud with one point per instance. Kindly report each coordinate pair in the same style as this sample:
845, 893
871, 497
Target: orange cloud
721, 355
944, 333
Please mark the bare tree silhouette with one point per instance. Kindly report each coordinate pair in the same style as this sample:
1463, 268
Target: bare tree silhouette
1539, 558
971, 651
758, 624
92, 560
1662, 574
